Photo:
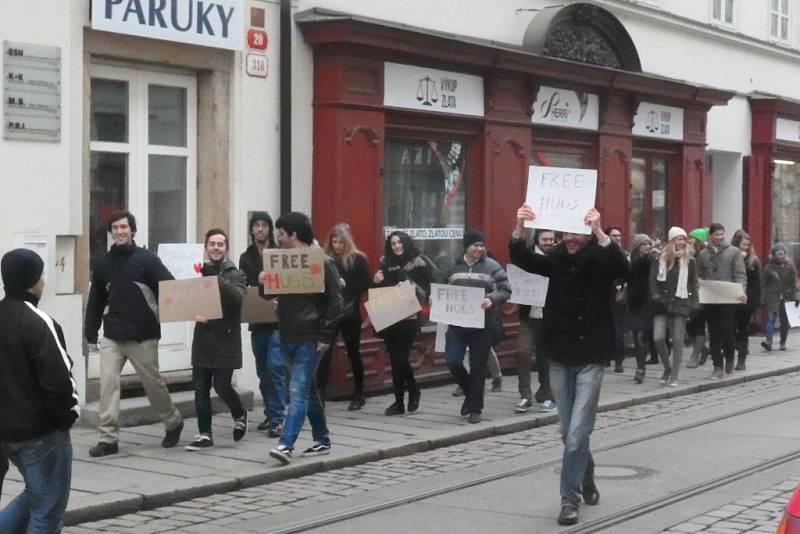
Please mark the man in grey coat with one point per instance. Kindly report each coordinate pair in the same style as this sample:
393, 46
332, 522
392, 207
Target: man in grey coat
720, 261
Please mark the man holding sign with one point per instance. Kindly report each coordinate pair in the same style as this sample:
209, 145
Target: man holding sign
577, 339
307, 321
474, 270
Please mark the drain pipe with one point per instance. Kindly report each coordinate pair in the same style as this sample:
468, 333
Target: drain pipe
286, 105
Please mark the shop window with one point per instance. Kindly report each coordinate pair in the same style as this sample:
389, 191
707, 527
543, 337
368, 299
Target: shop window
648, 196
559, 159
722, 11
786, 207
779, 19
425, 194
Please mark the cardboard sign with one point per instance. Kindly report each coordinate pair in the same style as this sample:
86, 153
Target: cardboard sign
183, 260
457, 305
527, 288
560, 198
792, 313
294, 270
718, 292
256, 309
389, 305
182, 300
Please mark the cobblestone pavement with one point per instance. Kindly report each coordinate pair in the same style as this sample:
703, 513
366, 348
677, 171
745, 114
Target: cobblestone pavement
760, 512
276, 498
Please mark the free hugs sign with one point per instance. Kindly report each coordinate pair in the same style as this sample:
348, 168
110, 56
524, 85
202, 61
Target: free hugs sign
560, 198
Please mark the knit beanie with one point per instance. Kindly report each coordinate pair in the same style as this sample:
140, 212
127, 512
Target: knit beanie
639, 240
700, 234
674, 232
21, 269
472, 236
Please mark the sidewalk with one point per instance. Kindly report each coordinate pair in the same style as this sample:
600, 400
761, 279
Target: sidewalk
144, 475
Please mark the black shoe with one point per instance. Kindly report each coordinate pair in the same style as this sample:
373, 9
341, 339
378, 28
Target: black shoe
172, 437
568, 515
465, 407
729, 366
653, 361
618, 367
704, 352
395, 409
413, 400
275, 431
474, 418
240, 427
357, 403
782, 345
201, 441
639, 376
263, 426
282, 453
318, 449
590, 494
739, 365
104, 448
767, 346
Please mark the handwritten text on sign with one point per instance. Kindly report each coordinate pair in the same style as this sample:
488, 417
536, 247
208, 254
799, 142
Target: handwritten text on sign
560, 197
527, 288
183, 260
457, 305
294, 270
182, 300
389, 305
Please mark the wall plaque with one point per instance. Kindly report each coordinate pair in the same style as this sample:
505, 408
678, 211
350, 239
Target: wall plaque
31, 92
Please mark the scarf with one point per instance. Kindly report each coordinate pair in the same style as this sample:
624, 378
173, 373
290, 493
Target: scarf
681, 290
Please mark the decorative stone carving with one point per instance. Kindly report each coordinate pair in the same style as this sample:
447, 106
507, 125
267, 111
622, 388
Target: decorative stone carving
582, 44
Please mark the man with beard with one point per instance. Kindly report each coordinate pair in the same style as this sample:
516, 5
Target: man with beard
577, 339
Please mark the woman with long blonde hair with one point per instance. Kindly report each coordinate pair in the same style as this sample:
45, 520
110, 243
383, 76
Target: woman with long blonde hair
354, 278
744, 312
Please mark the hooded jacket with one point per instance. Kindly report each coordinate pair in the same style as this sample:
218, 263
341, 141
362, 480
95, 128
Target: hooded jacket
251, 262
780, 279
37, 392
124, 295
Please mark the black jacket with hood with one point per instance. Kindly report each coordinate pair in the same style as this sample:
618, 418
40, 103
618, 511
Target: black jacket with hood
251, 261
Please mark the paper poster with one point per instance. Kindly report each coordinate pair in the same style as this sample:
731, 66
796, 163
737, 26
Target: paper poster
183, 300
560, 198
792, 313
256, 309
183, 260
294, 270
718, 292
527, 288
457, 305
440, 343
389, 305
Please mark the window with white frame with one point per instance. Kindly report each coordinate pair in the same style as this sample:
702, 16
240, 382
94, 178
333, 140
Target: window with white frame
722, 11
779, 19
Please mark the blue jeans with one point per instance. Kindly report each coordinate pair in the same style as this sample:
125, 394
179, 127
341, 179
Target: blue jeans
576, 391
271, 373
456, 342
45, 463
303, 358
769, 328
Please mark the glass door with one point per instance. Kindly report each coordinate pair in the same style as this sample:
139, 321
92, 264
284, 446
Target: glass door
648, 194
142, 156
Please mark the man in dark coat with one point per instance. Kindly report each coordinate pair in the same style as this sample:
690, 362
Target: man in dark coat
38, 399
577, 338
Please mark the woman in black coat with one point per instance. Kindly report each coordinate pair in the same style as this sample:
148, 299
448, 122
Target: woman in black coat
403, 262
354, 279
640, 315
744, 312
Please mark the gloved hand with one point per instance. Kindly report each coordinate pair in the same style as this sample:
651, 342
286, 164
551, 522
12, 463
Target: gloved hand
209, 269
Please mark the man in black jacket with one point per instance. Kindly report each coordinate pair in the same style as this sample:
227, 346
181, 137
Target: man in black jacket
307, 324
38, 399
124, 298
577, 338
265, 338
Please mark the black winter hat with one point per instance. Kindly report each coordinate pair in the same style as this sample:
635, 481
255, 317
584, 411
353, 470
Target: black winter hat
472, 236
21, 269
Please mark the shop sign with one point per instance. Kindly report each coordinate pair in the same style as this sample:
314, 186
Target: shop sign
215, 23
423, 89
655, 120
31, 92
787, 130
567, 108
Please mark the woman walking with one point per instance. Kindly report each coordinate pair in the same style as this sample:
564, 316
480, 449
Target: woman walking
744, 312
402, 262
351, 264
640, 316
780, 279
673, 289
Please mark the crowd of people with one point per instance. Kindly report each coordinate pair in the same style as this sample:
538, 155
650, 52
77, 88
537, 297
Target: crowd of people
601, 299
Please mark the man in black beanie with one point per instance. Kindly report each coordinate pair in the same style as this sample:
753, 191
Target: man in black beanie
475, 269
39, 399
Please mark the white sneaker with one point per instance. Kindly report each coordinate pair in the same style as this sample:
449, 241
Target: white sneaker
548, 406
673, 384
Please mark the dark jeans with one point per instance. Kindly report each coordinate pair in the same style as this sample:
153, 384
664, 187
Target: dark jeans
641, 347
769, 328
618, 312
45, 463
350, 327
742, 318
478, 340
202, 379
721, 333
398, 345
271, 371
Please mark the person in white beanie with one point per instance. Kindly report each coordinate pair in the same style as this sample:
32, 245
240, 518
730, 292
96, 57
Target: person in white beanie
673, 290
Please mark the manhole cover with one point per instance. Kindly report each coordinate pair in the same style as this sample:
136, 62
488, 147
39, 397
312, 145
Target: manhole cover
619, 472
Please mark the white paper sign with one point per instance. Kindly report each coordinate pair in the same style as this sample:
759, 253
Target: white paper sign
792, 313
527, 288
563, 107
719, 292
561, 197
440, 343
655, 120
424, 89
183, 260
457, 305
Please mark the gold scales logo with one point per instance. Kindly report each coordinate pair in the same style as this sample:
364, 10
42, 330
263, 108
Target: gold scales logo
430, 92
658, 122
